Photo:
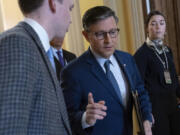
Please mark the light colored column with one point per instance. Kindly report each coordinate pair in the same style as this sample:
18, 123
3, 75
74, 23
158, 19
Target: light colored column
113, 5
74, 40
1, 18
138, 22
10, 13
126, 38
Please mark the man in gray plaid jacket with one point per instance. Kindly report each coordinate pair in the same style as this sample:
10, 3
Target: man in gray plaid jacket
31, 100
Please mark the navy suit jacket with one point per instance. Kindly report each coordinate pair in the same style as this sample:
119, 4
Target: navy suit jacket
85, 75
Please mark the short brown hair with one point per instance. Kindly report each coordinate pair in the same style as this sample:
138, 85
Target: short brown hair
95, 14
28, 6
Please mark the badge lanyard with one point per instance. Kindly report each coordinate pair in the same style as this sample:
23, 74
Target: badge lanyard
165, 63
167, 76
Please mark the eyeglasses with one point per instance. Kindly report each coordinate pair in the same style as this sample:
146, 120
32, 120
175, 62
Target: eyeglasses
102, 34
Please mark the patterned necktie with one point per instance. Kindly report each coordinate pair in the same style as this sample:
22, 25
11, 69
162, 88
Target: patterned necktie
112, 79
61, 60
51, 58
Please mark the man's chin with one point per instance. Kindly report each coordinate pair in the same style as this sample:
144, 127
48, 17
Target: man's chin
107, 56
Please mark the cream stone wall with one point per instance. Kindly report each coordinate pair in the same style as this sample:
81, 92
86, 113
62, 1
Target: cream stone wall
10, 13
131, 23
1, 18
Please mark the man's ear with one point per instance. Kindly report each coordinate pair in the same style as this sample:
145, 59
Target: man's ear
85, 34
52, 5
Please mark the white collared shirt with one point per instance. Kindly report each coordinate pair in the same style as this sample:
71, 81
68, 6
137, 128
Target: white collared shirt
117, 72
40, 31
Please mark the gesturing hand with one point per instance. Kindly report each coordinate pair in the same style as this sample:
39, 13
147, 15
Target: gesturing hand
94, 111
147, 127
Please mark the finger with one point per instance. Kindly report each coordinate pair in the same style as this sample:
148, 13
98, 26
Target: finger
102, 102
96, 106
97, 117
96, 112
90, 98
91, 118
94, 117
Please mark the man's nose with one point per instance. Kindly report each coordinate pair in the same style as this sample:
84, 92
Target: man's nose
107, 38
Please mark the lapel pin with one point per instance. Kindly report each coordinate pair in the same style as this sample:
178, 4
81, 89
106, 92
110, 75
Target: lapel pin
124, 65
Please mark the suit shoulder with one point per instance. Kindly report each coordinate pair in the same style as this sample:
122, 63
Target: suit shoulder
73, 65
142, 49
17, 41
123, 54
143, 52
69, 53
15, 33
77, 63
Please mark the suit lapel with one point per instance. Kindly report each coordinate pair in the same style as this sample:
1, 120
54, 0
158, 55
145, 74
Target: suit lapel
58, 91
65, 56
123, 63
58, 67
99, 74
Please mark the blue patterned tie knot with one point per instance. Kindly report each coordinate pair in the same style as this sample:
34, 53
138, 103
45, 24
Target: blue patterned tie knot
61, 60
107, 66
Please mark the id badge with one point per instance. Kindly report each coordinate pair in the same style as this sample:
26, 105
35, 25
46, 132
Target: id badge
167, 77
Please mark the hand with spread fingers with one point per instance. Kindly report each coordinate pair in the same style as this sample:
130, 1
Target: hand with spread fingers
95, 111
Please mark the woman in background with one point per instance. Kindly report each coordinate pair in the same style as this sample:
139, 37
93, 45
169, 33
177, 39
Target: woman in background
156, 65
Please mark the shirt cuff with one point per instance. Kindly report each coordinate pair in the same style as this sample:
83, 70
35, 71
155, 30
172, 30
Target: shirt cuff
83, 122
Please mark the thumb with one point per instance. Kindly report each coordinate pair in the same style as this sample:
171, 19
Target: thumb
90, 98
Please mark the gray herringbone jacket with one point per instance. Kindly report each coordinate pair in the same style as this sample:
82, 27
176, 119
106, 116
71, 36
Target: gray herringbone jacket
31, 100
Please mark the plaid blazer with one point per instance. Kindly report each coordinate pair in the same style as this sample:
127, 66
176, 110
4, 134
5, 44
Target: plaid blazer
31, 100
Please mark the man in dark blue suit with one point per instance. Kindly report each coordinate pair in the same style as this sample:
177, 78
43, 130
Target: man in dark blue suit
97, 86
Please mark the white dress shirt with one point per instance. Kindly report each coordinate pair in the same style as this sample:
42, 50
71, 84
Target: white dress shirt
117, 72
40, 31
43, 36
